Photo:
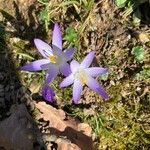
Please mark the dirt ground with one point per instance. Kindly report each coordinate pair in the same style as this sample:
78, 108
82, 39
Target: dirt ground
29, 123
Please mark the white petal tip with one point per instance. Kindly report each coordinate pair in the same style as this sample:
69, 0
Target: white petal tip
60, 85
37, 40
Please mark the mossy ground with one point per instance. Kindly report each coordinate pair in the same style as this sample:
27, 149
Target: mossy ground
123, 121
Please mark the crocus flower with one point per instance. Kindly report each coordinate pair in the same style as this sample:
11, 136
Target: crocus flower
47, 93
83, 75
55, 60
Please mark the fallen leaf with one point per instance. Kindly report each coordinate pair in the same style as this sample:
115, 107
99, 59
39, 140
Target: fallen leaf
85, 128
49, 113
143, 37
35, 87
79, 134
62, 145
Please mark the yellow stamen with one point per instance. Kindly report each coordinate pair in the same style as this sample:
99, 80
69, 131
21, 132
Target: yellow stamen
81, 76
53, 59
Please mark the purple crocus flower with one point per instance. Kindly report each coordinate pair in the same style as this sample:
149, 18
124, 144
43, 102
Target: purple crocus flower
83, 75
55, 60
47, 93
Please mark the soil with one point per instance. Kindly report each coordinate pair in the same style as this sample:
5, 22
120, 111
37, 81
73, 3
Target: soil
25, 122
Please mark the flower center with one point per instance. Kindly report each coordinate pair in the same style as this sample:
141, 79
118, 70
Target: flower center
81, 75
54, 59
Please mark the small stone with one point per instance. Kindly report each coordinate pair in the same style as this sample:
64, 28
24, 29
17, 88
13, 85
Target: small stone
22, 28
112, 82
138, 88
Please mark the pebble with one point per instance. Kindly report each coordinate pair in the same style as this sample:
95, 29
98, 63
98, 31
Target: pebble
138, 89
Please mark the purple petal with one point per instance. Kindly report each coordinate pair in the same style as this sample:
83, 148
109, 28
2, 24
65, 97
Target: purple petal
95, 86
52, 73
69, 53
88, 60
57, 36
77, 90
74, 65
36, 65
55, 48
46, 66
67, 81
65, 69
48, 94
96, 71
43, 47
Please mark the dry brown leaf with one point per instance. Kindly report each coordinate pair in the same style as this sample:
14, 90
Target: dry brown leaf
66, 146
35, 87
49, 113
77, 133
143, 37
105, 5
85, 128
